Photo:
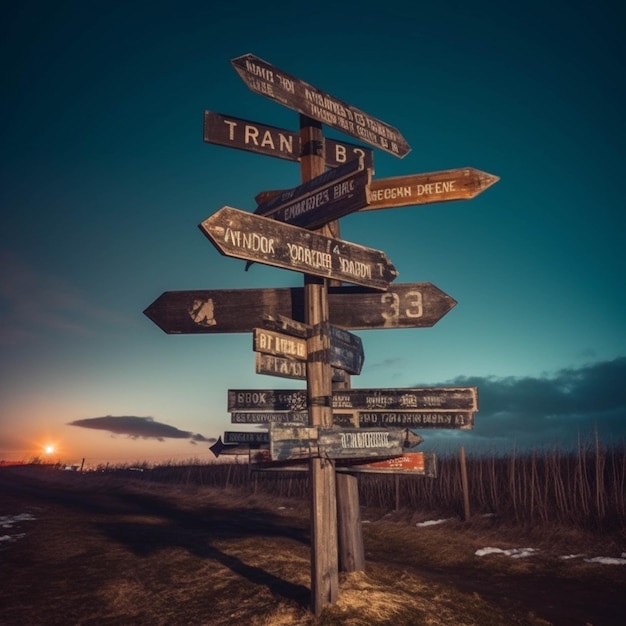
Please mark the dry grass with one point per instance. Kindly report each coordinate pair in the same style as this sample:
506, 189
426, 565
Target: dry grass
104, 551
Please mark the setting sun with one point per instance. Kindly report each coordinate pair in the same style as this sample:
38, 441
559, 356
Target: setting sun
49, 449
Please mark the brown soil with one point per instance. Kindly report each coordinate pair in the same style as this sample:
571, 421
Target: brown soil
105, 552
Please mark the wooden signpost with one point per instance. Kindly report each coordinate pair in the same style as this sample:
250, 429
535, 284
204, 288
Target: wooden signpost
234, 132
402, 305
251, 237
294, 93
298, 230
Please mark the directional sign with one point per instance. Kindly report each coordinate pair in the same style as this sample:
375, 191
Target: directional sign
219, 447
251, 438
463, 420
398, 191
299, 442
226, 130
432, 399
251, 237
403, 305
459, 184
269, 81
279, 344
346, 350
265, 417
325, 198
420, 463
414, 399
271, 365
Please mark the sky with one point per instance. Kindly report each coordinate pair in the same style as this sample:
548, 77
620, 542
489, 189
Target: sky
105, 177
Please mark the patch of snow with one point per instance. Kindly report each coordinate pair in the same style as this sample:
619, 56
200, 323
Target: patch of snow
514, 553
12, 538
433, 522
8, 521
571, 556
607, 560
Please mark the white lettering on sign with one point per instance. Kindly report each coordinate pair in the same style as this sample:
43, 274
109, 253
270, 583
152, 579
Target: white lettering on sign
284, 345
433, 188
355, 268
378, 401
261, 72
341, 154
250, 241
307, 204
342, 402
365, 440
411, 307
269, 138
342, 189
391, 193
309, 257
251, 397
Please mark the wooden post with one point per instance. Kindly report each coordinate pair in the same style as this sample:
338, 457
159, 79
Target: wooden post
466, 506
324, 557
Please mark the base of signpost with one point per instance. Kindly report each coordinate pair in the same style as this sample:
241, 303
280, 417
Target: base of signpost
324, 559
350, 535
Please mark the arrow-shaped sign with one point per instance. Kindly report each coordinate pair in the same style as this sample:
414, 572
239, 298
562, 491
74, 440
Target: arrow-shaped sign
325, 198
403, 305
251, 237
398, 191
226, 130
459, 184
414, 399
294, 93
288, 442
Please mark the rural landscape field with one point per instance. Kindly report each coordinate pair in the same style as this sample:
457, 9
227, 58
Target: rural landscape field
219, 544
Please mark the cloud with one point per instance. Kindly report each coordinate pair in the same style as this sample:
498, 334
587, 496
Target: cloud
138, 428
558, 409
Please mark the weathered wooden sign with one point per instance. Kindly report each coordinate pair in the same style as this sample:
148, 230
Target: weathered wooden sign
412, 399
265, 417
346, 350
462, 420
288, 442
325, 198
279, 344
251, 237
246, 437
234, 132
294, 93
403, 305
284, 367
431, 399
413, 463
398, 191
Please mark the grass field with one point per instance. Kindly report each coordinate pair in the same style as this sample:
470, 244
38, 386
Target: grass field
107, 549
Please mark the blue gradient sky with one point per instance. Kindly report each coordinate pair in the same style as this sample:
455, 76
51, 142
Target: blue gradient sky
105, 178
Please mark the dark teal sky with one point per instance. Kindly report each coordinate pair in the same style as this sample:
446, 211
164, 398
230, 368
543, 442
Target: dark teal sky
105, 178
